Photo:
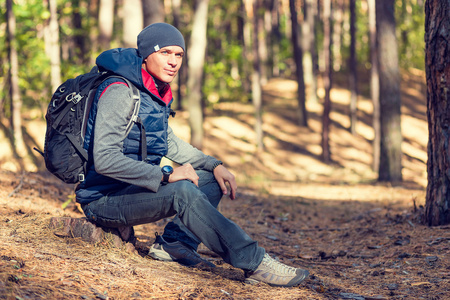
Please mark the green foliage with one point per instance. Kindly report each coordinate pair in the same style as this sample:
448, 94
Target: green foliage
410, 16
33, 63
224, 59
226, 69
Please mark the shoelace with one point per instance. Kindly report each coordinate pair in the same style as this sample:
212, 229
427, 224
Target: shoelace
278, 266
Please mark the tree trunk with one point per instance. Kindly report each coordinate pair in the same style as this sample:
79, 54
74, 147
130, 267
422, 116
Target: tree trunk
93, 22
437, 29
256, 79
153, 11
197, 50
16, 101
81, 55
337, 34
133, 22
298, 57
374, 85
51, 38
105, 23
327, 80
353, 63
276, 38
247, 41
252, 57
390, 99
262, 47
309, 50
176, 6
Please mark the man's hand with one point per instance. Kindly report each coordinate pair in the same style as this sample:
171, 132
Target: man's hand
223, 176
184, 172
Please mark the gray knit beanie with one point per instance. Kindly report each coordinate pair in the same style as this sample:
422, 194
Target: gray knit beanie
156, 36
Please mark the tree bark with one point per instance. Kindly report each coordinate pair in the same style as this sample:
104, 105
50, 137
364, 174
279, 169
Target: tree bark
93, 21
176, 6
153, 11
252, 57
51, 38
262, 48
256, 79
275, 38
337, 34
16, 101
105, 23
79, 40
196, 61
298, 57
374, 85
133, 22
390, 100
327, 80
437, 59
309, 50
353, 69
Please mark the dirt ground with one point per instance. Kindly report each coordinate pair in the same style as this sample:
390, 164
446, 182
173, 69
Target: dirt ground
359, 239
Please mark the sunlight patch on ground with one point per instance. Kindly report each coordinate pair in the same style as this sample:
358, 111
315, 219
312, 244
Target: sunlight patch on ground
415, 132
365, 130
365, 105
234, 128
346, 192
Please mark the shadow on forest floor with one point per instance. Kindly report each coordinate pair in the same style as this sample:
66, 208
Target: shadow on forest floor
359, 239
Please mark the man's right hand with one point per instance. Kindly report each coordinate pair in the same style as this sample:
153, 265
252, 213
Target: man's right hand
184, 172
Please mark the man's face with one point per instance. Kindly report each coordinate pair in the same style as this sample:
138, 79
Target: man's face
165, 63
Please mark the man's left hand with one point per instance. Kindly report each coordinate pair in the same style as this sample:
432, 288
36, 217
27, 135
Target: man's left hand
223, 176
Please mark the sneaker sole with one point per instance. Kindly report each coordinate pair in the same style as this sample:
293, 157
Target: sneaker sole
255, 281
159, 255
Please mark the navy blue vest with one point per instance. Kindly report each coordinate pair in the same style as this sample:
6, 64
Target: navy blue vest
154, 114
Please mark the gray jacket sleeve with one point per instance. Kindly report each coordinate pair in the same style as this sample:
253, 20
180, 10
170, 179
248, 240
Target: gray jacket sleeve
182, 152
113, 115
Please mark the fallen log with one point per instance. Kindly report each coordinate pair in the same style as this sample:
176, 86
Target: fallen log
68, 227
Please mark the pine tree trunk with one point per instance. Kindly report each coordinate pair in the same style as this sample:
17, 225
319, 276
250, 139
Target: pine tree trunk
79, 40
197, 50
309, 51
338, 22
133, 22
176, 6
390, 101
256, 78
153, 11
16, 101
298, 57
327, 79
105, 23
52, 46
353, 69
437, 29
374, 85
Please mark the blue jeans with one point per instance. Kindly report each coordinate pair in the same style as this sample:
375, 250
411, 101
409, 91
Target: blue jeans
196, 217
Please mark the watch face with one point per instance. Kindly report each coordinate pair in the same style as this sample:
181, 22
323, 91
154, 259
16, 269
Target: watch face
167, 169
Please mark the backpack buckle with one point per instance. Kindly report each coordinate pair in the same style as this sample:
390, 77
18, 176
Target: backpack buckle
81, 177
73, 97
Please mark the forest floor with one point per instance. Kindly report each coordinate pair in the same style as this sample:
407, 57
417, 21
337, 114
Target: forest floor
358, 238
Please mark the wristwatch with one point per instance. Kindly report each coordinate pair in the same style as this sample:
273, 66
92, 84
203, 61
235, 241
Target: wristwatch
166, 170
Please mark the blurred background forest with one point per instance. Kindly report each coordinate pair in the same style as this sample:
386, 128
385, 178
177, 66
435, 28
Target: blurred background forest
332, 114
236, 50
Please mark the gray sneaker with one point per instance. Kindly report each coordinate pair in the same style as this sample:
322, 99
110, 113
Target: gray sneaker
275, 273
177, 251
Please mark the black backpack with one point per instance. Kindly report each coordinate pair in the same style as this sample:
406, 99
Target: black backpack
67, 115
